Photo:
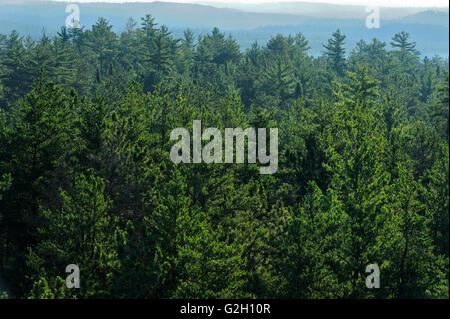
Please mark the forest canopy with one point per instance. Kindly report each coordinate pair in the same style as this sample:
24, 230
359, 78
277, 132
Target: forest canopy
86, 176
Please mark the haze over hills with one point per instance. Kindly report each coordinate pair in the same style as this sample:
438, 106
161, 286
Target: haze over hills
245, 23
322, 10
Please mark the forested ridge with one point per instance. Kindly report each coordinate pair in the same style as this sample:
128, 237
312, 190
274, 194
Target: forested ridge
86, 176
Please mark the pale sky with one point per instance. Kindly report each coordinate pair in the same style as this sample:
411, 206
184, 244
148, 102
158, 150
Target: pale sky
382, 3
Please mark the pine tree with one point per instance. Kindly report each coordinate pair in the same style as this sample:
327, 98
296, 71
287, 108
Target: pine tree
37, 142
80, 233
17, 61
336, 52
400, 41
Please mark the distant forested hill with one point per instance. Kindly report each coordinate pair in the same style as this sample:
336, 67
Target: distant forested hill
321, 10
428, 28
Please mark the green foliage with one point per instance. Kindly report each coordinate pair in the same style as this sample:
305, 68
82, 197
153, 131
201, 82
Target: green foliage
43, 290
400, 41
336, 52
440, 110
80, 233
86, 177
3, 295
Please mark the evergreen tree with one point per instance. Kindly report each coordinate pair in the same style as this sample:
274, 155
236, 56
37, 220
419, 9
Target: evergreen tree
336, 52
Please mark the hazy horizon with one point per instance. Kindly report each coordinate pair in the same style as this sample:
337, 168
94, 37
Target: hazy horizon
382, 3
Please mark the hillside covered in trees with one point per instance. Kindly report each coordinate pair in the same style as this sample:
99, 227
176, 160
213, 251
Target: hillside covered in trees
86, 176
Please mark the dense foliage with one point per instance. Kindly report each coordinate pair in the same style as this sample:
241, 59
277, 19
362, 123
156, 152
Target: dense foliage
86, 177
